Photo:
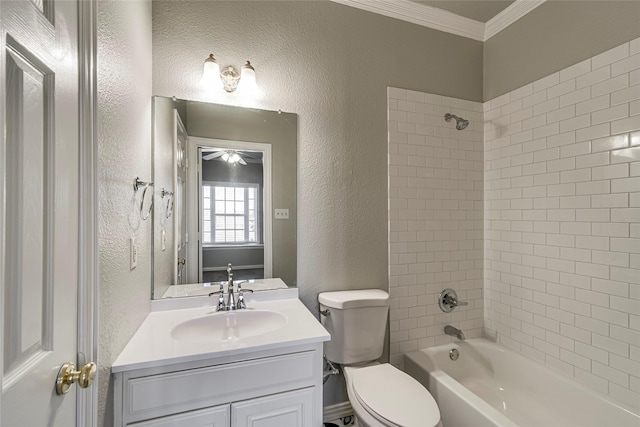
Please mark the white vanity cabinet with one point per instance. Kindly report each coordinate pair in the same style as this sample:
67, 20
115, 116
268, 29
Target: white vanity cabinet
280, 387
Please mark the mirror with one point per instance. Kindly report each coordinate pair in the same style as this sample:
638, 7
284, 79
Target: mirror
224, 193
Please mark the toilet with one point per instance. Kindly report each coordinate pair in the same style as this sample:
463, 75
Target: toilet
379, 393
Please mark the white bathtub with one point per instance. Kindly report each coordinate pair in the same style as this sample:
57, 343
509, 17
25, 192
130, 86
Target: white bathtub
492, 386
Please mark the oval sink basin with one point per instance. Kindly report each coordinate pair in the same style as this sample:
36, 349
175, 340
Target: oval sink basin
229, 325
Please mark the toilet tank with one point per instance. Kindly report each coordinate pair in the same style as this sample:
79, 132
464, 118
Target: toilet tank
356, 321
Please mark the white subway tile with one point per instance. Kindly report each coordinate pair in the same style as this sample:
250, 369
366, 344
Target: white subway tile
592, 160
593, 104
619, 259
593, 77
575, 359
629, 94
627, 305
612, 375
593, 270
561, 139
610, 287
619, 200
545, 107
611, 345
593, 215
634, 77
625, 65
629, 275
593, 187
626, 245
544, 131
577, 149
629, 124
547, 82
592, 242
611, 85
614, 113
626, 155
579, 122
634, 46
593, 298
593, 132
610, 229
612, 55
610, 143
575, 70
610, 172
626, 214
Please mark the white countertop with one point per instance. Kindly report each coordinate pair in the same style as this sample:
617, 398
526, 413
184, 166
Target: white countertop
153, 346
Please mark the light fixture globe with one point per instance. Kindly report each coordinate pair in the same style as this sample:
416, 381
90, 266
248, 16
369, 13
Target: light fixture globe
211, 71
248, 76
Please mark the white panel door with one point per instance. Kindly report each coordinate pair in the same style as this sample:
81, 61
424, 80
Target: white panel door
293, 408
39, 190
218, 416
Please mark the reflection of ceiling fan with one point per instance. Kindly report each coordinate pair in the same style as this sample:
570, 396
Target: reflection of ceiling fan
230, 156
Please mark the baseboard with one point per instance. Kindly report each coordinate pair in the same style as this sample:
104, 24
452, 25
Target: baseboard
338, 410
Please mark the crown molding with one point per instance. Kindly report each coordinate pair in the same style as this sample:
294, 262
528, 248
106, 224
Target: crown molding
442, 20
426, 16
511, 14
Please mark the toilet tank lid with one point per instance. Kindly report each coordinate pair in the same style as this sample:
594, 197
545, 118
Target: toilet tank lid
354, 299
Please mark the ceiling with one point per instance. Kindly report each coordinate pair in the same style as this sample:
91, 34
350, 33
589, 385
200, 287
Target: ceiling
478, 10
474, 19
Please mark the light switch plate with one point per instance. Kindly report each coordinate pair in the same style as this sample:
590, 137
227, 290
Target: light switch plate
282, 213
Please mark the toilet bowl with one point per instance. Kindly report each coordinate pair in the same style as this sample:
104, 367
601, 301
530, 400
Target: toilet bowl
380, 394
383, 396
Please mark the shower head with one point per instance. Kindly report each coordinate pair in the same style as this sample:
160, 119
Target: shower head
460, 122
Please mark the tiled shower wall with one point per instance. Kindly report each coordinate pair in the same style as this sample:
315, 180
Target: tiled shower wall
562, 221
435, 218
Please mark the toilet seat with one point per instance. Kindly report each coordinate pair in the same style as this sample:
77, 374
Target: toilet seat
398, 399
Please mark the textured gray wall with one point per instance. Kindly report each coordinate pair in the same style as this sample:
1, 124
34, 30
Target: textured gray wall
124, 152
330, 64
554, 36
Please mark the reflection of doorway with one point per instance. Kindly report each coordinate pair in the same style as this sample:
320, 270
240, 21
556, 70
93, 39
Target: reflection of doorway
244, 223
231, 212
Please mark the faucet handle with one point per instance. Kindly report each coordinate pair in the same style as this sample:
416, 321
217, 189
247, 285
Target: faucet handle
241, 304
221, 305
448, 300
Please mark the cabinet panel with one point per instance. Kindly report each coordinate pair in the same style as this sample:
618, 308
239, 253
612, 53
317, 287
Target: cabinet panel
218, 416
294, 408
158, 395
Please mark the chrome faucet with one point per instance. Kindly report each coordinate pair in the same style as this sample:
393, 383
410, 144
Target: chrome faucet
230, 304
454, 332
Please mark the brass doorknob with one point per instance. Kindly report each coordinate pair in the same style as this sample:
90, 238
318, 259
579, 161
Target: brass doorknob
67, 375
182, 261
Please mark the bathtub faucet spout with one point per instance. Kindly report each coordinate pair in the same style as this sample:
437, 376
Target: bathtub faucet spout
454, 332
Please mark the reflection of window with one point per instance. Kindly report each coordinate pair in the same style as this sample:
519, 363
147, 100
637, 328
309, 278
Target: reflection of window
229, 213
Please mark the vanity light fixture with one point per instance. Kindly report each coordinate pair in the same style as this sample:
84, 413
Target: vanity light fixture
229, 76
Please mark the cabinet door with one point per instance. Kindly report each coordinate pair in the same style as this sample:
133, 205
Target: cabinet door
218, 416
293, 408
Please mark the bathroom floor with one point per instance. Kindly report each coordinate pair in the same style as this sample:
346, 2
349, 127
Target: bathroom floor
340, 422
